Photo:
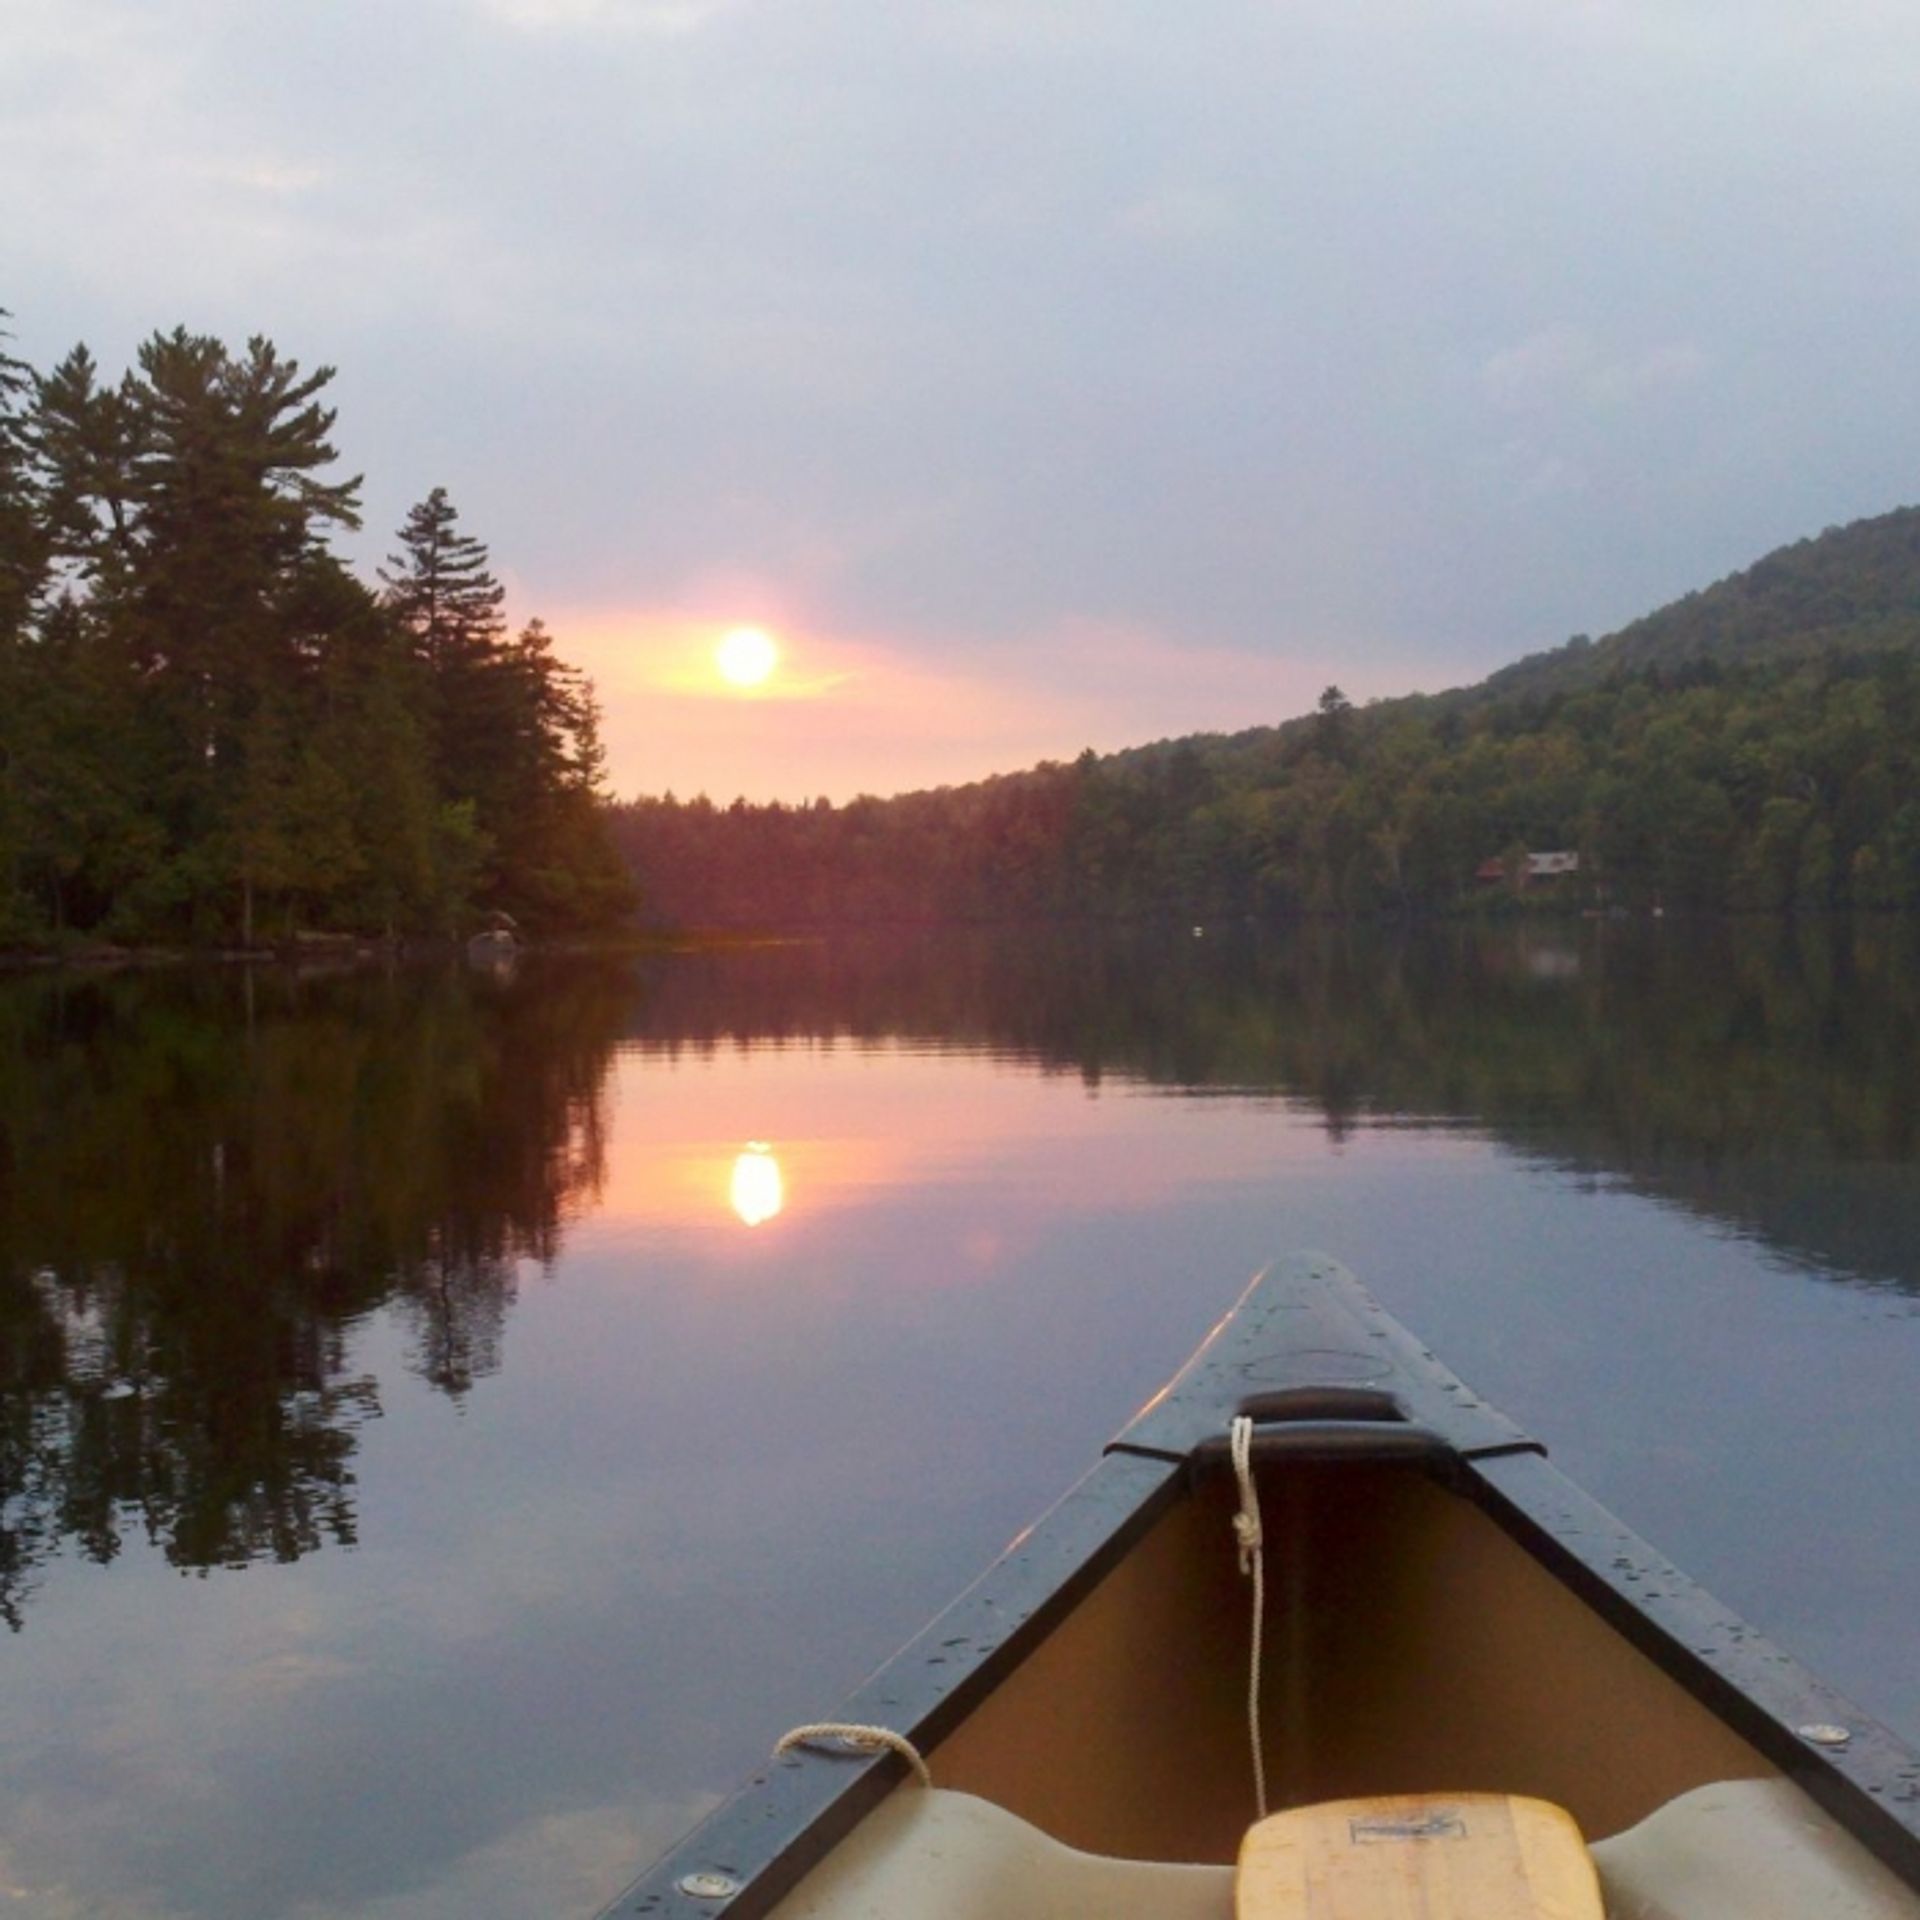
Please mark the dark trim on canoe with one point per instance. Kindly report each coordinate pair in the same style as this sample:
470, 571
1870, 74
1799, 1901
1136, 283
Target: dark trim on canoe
1871, 1786
788, 1817
1307, 1341
1328, 1375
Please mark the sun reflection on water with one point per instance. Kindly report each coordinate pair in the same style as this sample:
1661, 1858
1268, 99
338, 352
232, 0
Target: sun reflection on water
757, 1190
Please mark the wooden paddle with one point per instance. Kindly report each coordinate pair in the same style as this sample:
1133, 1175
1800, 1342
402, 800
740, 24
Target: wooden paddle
1454, 1856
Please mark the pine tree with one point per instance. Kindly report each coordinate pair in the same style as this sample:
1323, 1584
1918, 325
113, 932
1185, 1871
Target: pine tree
23, 551
440, 589
555, 862
226, 518
374, 733
85, 441
516, 731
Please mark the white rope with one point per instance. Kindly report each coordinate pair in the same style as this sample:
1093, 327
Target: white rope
1246, 1530
864, 1739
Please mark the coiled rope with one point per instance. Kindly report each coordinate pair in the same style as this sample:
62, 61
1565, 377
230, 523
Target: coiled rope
1252, 1543
862, 1739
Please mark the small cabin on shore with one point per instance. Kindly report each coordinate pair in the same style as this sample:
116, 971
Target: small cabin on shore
1556, 865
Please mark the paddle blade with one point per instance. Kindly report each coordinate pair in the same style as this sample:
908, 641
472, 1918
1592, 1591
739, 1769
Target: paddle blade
1460, 1856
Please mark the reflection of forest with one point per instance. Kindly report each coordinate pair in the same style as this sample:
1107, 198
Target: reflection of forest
206, 1180
1760, 1072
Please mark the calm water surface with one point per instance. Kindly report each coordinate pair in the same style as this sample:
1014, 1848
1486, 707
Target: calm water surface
433, 1471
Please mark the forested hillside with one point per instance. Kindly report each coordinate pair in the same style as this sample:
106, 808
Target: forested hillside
1753, 746
1854, 589
211, 731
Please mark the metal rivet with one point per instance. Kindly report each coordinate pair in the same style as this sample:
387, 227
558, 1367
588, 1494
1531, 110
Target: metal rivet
1823, 1733
708, 1886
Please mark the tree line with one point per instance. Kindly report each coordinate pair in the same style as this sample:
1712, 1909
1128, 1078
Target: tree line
1787, 783
211, 731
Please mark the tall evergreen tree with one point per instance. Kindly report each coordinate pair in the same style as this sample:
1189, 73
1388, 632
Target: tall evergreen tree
506, 716
85, 441
227, 516
22, 535
441, 591
439, 587
22, 571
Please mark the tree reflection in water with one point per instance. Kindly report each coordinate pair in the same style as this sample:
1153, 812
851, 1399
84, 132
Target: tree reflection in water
1761, 1073
206, 1182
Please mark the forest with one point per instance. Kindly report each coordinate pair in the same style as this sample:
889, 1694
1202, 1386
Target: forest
1754, 747
213, 733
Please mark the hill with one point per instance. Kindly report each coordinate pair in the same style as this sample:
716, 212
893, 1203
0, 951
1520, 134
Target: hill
1753, 746
1850, 590
1854, 588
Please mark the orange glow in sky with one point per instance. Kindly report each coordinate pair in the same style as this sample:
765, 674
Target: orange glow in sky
755, 700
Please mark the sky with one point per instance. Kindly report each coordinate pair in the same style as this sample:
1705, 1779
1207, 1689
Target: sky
1045, 375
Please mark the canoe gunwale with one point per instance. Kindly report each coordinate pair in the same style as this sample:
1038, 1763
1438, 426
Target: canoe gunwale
793, 1812
1307, 1350
1871, 1785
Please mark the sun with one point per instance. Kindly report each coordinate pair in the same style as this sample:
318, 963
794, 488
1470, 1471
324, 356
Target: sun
746, 656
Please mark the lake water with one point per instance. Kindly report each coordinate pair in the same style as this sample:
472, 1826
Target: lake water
433, 1471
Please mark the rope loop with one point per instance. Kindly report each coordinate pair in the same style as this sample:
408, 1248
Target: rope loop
1246, 1523
861, 1739
1246, 1530
1251, 1539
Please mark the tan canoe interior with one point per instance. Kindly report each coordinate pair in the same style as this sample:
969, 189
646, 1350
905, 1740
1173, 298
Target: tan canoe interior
1411, 1647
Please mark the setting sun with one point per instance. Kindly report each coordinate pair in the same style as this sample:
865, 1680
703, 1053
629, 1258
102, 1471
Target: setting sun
746, 657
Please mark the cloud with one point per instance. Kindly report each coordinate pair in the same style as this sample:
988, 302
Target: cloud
666, 17
1177, 217
24, 1893
1538, 475
1569, 368
267, 174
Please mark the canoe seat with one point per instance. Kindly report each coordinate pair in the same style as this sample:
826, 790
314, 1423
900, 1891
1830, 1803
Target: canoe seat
1739, 1850
1752, 1849
928, 1853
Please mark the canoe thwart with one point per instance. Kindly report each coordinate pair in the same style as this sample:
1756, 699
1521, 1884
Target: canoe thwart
1320, 1403
1334, 1440
1462, 1856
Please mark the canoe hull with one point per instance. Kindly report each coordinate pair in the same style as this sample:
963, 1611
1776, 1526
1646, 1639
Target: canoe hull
1445, 1611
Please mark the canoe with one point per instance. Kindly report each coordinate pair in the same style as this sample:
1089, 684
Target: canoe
1458, 1650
